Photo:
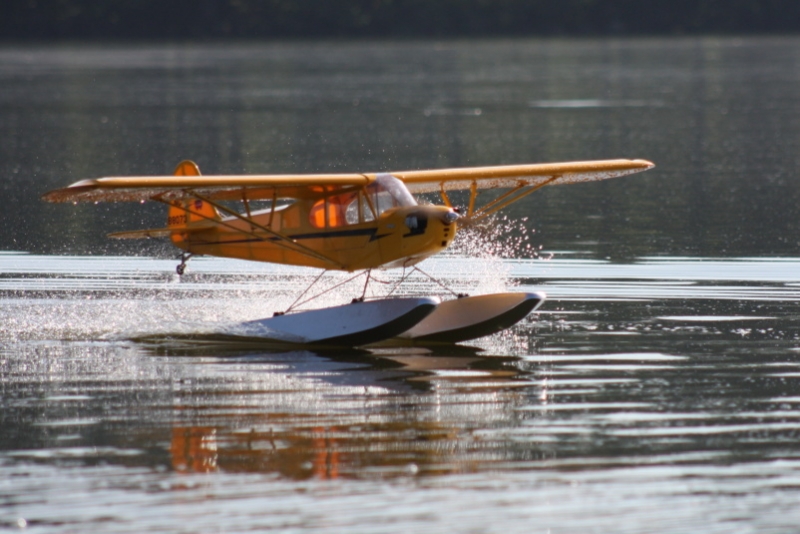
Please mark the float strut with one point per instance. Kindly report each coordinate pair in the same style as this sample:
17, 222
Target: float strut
366, 285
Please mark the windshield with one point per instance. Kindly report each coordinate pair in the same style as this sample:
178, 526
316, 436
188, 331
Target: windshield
389, 192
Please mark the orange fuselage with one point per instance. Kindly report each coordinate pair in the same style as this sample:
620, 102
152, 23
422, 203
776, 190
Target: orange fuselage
397, 237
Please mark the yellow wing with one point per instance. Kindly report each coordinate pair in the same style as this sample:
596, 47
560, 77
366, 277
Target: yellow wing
171, 188
512, 176
519, 180
255, 187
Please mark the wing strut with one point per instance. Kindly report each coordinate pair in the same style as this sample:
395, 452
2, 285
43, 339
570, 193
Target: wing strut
473, 195
507, 198
283, 240
445, 198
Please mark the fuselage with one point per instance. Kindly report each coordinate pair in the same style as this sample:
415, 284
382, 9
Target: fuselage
377, 226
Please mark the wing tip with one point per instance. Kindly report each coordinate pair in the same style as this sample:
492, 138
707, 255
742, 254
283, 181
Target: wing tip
66, 194
643, 163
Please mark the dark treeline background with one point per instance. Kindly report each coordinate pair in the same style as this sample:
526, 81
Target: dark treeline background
37, 20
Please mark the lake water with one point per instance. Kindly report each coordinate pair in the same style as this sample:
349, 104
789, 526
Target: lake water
658, 388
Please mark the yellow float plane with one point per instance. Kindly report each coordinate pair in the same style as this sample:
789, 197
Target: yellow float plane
345, 222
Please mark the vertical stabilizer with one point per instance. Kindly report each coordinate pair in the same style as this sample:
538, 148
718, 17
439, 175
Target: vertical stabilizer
189, 212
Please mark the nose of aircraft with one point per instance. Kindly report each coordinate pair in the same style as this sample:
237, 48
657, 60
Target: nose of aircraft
419, 218
450, 217
426, 231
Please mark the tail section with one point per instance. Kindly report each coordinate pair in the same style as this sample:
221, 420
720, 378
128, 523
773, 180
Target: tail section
185, 214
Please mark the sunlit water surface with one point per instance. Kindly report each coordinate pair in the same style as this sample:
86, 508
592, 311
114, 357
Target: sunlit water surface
653, 395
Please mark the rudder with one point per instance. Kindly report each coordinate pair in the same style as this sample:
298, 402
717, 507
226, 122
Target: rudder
189, 212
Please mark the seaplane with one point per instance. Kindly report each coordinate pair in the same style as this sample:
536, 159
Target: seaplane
346, 222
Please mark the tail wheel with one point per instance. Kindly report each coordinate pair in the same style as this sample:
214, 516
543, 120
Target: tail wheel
181, 268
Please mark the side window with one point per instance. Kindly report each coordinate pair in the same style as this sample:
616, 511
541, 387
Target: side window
358, 210
385, 193
351, 213
334, 211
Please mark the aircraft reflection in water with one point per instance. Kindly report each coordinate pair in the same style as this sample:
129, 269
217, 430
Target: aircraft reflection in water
194, 449
346, 222
301, 445
310, 454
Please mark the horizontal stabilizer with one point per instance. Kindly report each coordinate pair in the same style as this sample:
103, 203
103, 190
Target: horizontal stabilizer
162, 232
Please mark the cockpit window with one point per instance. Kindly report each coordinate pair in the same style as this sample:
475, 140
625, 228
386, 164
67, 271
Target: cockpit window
385, 193
358, 210
333, 211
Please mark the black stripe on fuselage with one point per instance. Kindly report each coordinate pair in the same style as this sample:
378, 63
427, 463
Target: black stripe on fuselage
371, 232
